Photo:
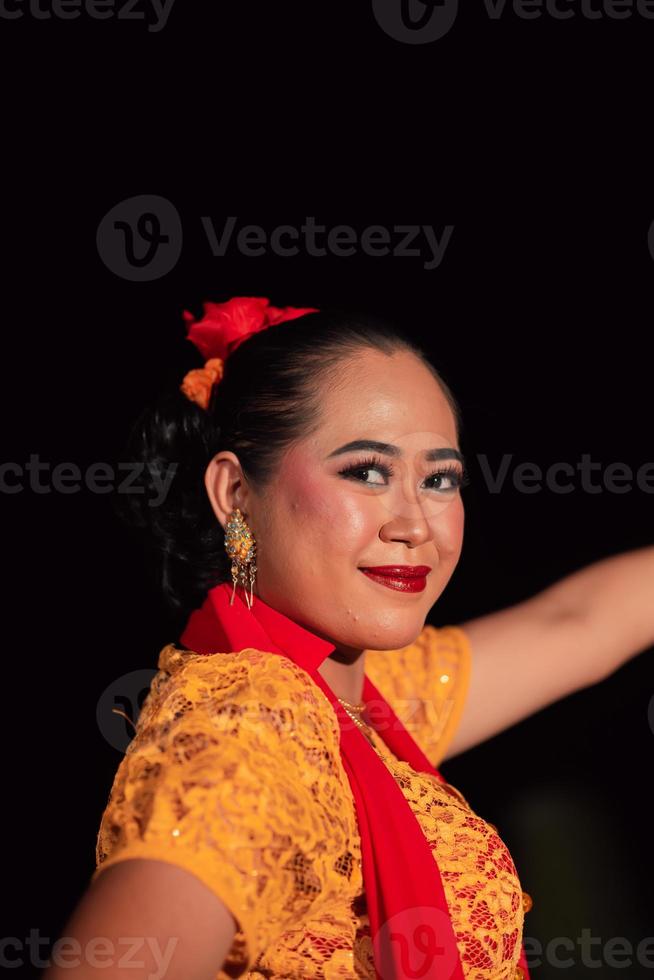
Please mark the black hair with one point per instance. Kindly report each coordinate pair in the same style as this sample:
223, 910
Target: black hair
267, 399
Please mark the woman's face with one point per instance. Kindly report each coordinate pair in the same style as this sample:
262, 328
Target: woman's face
317, 526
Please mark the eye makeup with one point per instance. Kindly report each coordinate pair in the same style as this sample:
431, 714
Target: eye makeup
458, 476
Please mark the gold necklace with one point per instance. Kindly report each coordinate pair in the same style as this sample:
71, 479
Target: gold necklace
350, 710
364, 727
353, 707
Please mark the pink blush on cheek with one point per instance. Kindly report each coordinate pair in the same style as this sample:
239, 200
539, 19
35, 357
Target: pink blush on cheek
309, 496
321, 507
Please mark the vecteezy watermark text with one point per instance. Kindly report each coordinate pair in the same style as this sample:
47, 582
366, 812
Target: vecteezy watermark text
560, 477
99, 952
612, 953
69, 478
139, 10
565, 9
424, 21
318, 240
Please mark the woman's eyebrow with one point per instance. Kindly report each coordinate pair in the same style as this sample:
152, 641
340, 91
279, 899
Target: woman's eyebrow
389, 450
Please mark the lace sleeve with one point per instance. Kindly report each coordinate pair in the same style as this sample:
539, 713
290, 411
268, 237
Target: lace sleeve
426, 684
213, 782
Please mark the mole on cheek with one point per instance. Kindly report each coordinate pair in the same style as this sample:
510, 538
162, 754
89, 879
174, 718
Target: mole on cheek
312, 498
301, 483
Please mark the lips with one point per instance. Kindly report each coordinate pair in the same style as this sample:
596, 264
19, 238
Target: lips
401, 578
398, 571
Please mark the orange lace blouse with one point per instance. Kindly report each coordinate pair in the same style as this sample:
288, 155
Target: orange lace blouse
235, 774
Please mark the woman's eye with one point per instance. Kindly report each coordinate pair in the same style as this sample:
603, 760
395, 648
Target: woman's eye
374, 469
457, 479
355, 470
454, 478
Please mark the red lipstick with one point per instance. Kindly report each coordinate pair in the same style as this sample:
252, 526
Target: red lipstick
402, 578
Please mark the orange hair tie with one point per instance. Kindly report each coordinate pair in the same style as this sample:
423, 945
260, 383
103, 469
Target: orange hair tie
197, 384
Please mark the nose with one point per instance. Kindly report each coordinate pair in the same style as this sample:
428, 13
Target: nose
412, 531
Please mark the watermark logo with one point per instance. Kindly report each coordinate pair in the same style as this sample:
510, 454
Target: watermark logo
411, 944
120, 704
415, 21
140, 239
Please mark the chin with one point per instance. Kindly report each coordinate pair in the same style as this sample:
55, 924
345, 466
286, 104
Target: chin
385, 638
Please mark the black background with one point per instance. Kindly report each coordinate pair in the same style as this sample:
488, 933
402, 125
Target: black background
530, 137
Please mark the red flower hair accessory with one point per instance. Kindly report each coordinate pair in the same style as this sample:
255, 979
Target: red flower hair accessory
222, 329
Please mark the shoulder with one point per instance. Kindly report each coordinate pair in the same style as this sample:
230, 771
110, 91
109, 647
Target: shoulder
436, 647
426, 684
267, 690
234, 668
226, 777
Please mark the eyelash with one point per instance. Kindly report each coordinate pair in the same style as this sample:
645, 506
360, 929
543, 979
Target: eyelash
374, 462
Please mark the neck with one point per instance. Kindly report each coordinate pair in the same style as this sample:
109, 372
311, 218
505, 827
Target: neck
344, 671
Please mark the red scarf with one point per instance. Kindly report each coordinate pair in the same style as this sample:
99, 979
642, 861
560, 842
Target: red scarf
410, 924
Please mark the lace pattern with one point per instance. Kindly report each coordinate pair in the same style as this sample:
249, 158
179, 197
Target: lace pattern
278, 843
426, 684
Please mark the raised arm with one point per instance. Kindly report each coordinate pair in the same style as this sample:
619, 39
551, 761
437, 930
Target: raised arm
571, 635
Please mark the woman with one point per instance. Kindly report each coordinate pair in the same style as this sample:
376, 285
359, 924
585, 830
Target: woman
279, 812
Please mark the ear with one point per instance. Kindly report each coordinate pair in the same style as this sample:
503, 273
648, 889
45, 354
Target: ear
226, 486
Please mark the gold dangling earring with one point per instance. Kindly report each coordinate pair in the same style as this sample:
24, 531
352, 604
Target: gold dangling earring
241, 547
